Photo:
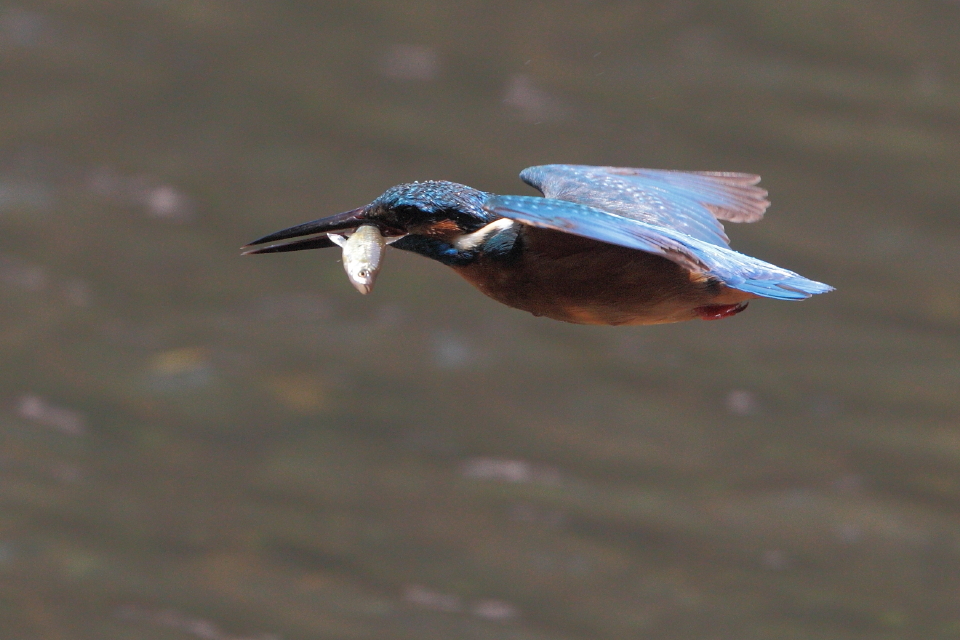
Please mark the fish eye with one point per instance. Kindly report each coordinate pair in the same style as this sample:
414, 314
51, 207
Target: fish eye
362, 273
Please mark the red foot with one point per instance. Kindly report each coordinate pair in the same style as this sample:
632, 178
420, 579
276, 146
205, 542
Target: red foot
719, 311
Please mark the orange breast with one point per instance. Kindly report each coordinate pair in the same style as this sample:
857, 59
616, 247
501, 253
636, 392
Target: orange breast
578, 280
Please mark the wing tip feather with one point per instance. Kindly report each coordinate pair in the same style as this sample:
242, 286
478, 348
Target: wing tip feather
794, 288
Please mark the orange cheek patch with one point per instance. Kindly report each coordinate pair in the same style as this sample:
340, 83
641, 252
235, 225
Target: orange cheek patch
443, 228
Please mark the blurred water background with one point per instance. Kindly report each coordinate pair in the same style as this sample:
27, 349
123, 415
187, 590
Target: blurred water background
199, 445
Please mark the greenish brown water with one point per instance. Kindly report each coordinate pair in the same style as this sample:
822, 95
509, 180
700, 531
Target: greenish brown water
199, 445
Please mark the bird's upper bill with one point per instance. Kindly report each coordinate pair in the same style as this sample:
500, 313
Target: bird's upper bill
309, 235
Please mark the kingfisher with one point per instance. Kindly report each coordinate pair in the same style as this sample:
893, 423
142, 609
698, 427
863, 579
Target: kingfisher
603, 246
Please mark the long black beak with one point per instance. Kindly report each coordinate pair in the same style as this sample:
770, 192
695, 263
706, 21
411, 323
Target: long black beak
309, 235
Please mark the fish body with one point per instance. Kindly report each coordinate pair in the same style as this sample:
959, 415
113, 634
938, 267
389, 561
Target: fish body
363, 252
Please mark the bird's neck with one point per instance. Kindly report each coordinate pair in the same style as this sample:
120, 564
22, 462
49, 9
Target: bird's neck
499, 240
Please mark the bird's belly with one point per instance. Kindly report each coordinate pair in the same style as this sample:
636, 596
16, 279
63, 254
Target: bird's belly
588, 282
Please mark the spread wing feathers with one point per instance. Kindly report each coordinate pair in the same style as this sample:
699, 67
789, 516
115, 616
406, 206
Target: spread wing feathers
735, 269
688, 201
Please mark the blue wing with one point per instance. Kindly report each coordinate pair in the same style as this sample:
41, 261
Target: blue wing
691, 202
734, 269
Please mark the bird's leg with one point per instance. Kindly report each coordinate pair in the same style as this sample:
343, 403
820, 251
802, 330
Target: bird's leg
719, 311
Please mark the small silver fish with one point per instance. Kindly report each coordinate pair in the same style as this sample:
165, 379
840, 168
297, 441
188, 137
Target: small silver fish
362, 255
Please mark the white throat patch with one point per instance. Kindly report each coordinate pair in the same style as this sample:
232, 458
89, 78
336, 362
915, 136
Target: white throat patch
473, 240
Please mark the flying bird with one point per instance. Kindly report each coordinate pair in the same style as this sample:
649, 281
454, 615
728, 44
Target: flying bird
604, 245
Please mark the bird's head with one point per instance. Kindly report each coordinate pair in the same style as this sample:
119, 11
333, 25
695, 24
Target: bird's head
434, 208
